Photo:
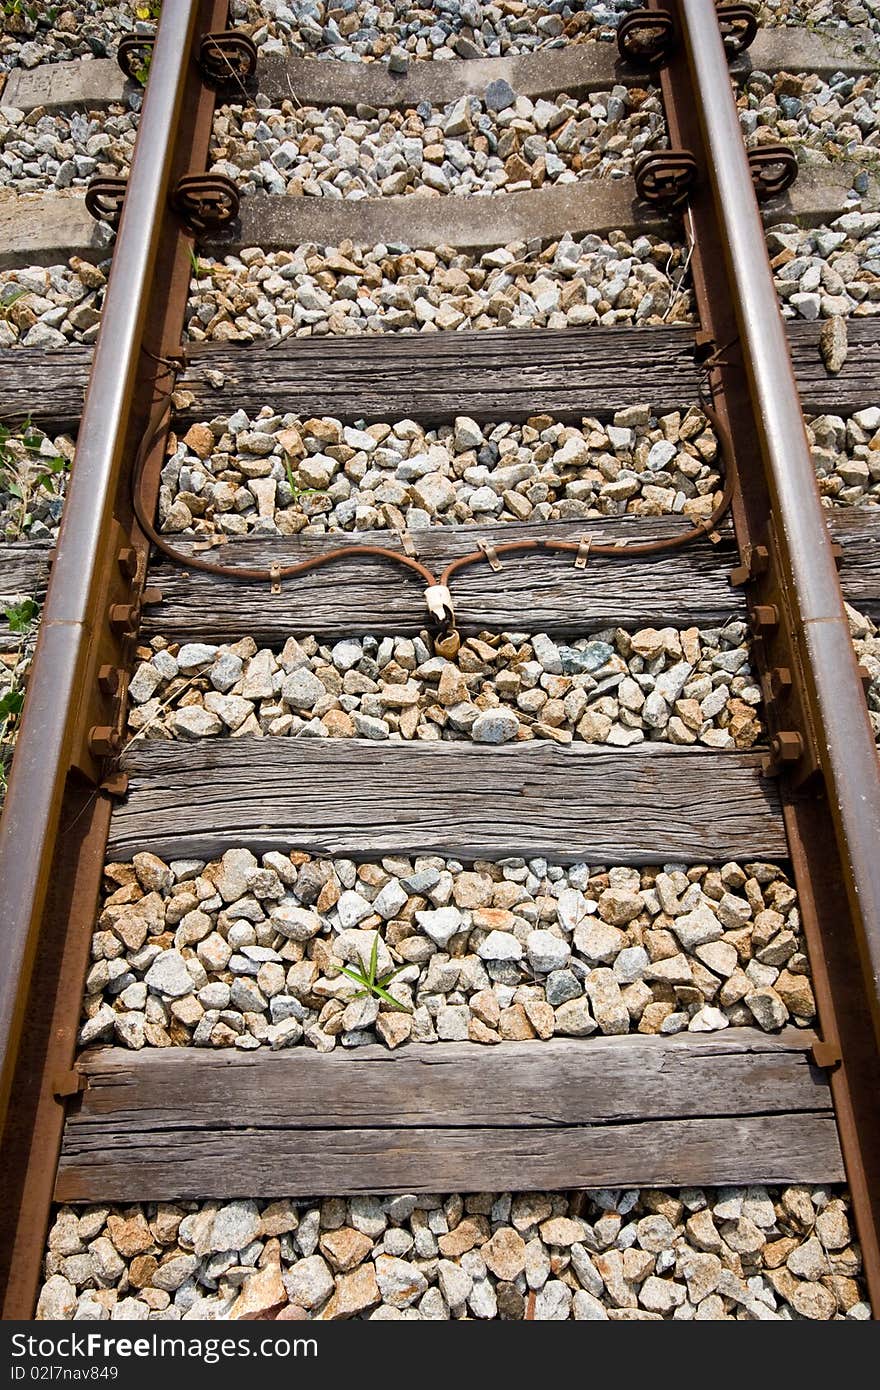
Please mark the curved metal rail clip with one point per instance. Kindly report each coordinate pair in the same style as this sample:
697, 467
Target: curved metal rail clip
104, 199
738, 25
206, 202
774, 168
134, 54
665, 178
227, 59
646, 38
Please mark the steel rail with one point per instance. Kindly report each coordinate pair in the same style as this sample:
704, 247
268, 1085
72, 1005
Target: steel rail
849, 760
833, 818
57, 813
42, 755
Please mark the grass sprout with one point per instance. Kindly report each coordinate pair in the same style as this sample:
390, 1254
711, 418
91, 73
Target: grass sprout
373, 984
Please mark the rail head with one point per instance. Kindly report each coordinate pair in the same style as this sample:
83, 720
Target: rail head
821, 737
834, 692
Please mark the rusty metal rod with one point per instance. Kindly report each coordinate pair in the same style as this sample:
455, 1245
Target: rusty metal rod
71, 616
847, 751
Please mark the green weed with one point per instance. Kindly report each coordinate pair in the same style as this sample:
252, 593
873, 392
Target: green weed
297, 492
9, 295
376, 985
21, 616
22, 619
24, 472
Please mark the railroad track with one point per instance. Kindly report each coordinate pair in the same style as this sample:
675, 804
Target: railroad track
288, 844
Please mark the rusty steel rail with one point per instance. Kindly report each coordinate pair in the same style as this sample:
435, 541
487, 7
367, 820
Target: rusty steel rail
822, 743
57, 812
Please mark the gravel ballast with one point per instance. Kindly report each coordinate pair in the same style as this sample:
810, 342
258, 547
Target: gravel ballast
505, 145
830, 271
830, 15
349, 289
41, 150
281, 474
51, 306
246, 952
272, 474
613, 687
506, 142
83, 29
826, 122
441, 30
866, 641
823, 272
756, 1253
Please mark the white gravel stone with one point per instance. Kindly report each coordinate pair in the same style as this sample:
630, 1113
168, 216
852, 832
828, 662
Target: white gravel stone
547, 952
168, 975
500, 945
495, 726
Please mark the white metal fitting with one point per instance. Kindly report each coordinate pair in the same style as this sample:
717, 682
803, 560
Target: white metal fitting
439, 603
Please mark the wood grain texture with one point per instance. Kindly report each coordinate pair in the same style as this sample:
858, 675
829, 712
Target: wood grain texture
733, 1107
498, 374
46, 387
535, 591
858, 531
563, 1081
192, 1165
502, 374
24, 567
539, 591
24, 573
650, 804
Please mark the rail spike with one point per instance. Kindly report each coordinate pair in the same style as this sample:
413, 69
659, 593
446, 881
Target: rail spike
665, 178
646, 38
206, 202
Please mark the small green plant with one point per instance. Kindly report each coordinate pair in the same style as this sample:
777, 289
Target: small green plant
17, 7
151, 9
371, 984
200, 269
10, 706
142, 73
21, 616
296, 492
24, 471
11, 702
9, 295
